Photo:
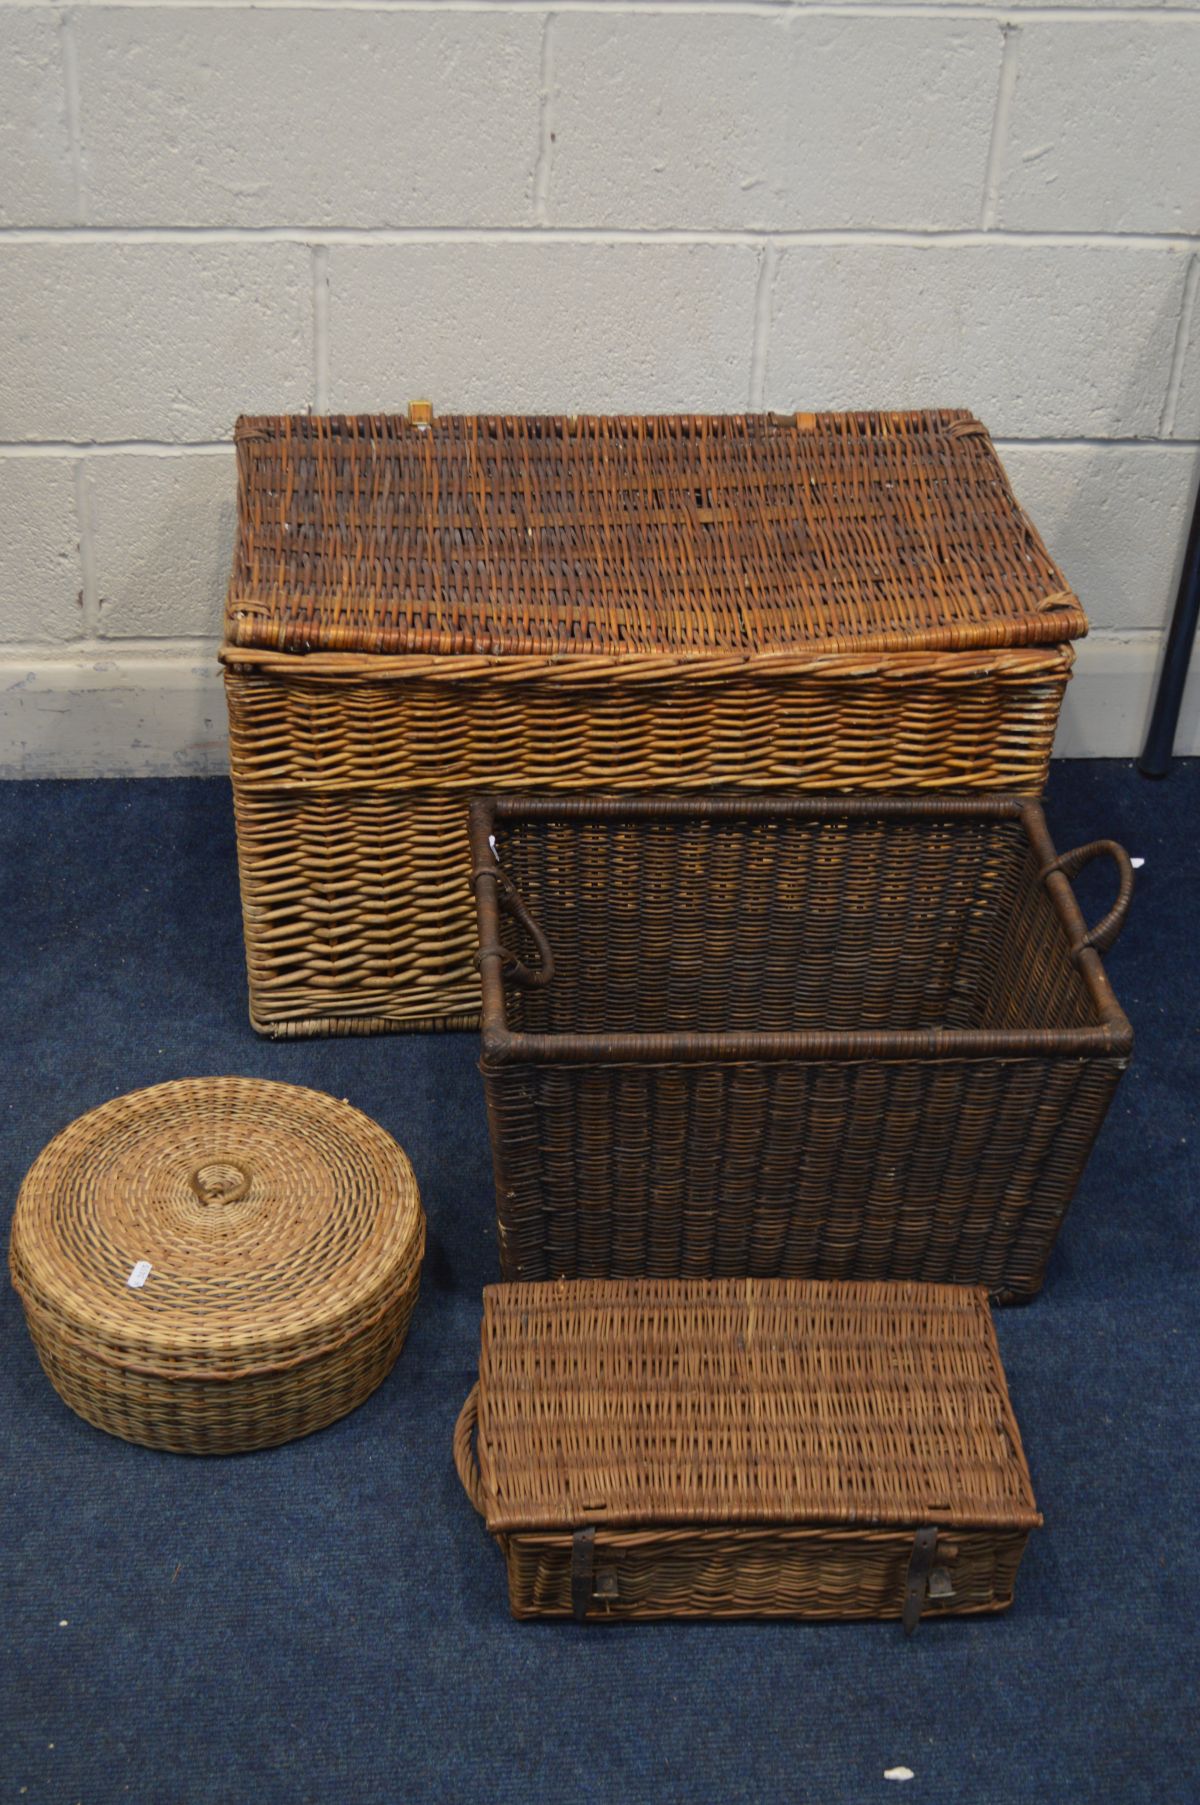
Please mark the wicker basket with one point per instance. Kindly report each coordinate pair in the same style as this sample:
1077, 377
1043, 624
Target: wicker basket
218, 1264
775, 1448
420, 610
807, 1037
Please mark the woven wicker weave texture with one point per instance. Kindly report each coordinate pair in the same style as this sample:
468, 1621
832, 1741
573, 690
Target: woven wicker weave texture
351, 793
746, 1446
692, 534
830, 1038
418, 613
284, 1236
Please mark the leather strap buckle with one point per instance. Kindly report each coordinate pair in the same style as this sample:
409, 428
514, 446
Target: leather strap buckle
583, 1556
919, 1569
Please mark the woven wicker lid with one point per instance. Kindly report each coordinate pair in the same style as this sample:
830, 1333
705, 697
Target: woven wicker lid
276, 1223
657, 1402
689, 535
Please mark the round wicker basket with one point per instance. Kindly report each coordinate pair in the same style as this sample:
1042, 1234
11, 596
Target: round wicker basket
218, 1264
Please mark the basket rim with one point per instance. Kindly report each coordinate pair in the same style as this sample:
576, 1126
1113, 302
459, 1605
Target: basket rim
881, 664
1110, 1036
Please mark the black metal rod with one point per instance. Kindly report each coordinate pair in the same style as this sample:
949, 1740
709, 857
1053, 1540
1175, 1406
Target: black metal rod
1160, 741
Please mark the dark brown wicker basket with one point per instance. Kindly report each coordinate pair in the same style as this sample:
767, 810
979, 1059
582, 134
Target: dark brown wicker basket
423, 609
816, 1037
773, 1448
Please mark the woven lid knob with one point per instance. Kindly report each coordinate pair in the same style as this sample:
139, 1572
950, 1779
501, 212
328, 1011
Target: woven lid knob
220, 1181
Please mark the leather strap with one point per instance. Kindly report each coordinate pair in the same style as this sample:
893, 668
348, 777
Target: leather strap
919, 1567
583, 1555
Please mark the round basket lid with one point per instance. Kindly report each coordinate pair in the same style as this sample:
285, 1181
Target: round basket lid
216, 1225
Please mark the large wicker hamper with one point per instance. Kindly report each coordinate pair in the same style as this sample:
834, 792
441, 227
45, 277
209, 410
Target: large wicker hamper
421, 609
821, 1037
218, 1264
746, 1448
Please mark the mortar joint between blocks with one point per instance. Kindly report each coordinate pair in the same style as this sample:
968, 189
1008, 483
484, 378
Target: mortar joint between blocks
320, 322
1183, 333
89, 594
72, 108
544, 162
1006, 88
764, 302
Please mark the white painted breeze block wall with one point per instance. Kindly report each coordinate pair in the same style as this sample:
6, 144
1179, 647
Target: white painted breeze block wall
609, 206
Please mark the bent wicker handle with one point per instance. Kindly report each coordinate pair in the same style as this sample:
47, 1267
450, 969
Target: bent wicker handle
1070, 864
528, 977
464, 1453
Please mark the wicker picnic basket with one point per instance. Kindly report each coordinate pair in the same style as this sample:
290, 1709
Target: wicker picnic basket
218, 1264
421, 609
831, 1037
731, 1448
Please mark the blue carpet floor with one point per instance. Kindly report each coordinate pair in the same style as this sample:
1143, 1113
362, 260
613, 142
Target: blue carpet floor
328, 1622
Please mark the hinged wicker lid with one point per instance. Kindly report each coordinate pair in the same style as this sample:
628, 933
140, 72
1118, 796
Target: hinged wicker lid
653, 1402
690, 535
215, 1227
